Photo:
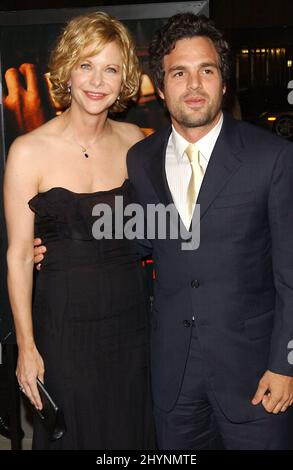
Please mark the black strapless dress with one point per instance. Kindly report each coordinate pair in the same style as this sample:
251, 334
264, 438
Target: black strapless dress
90, 316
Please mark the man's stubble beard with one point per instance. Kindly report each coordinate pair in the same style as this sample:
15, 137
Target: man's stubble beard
198, 118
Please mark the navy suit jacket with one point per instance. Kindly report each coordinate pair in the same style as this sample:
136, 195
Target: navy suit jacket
242, 299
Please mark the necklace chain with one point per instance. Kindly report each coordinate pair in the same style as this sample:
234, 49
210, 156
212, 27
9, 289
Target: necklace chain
84, 149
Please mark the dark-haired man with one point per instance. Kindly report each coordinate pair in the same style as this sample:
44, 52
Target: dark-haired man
222, 316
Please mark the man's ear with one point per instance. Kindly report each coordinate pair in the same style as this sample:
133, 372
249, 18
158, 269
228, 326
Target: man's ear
161, 94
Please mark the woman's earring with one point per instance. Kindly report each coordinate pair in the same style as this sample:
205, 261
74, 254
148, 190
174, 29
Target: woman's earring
69, 93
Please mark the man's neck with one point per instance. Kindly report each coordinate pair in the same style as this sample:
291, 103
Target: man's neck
193, 134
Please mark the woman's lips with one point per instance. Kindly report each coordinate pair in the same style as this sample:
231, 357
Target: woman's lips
95, 96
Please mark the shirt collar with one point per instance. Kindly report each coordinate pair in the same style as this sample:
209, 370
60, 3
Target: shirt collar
205, 144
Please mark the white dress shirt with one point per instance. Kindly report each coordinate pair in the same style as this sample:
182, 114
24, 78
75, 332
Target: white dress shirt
178, 169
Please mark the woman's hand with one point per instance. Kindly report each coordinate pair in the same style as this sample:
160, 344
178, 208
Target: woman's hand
30, 366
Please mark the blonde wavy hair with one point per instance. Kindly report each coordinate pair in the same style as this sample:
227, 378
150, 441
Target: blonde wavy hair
98, 29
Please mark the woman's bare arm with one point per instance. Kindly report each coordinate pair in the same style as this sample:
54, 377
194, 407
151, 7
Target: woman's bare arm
20, 185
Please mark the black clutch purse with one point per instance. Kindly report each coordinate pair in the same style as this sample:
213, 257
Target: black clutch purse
51, 415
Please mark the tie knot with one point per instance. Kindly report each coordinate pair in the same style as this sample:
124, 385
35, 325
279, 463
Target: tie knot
193, 153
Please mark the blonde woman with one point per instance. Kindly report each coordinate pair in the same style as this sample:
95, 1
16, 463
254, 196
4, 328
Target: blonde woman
86, 334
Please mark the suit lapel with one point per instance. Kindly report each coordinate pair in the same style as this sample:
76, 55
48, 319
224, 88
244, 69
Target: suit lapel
224, 162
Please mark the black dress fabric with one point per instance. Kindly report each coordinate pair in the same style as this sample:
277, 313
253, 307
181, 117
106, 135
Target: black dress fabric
90, 316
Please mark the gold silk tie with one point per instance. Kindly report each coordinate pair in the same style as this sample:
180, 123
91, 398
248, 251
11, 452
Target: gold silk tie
197, 174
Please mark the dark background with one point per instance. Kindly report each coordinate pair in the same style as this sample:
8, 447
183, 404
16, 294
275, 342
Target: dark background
227, 13
248, 24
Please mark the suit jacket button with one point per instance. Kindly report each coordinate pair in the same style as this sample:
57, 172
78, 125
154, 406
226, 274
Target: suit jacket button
194, 283
187, 323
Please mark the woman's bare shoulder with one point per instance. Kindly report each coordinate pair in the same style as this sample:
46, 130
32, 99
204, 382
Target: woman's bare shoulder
34, 142
130, 133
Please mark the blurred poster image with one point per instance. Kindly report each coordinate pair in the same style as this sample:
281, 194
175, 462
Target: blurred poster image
24, 58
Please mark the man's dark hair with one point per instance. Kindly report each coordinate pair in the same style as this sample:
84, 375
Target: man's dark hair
184, 26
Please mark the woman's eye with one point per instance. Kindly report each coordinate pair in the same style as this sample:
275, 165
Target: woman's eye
111, 70
85, 66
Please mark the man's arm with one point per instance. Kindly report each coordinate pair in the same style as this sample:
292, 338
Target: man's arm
144, 245
275, 389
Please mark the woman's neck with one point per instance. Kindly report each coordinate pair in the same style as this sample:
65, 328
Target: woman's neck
85, 128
